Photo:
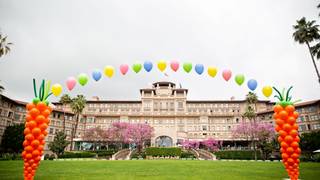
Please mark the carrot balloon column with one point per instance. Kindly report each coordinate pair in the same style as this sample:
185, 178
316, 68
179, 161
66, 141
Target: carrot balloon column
285, 117
37, 121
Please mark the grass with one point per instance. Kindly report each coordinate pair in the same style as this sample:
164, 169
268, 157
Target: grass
157, 169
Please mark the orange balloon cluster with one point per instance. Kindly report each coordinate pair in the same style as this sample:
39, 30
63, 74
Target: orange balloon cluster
37, 121
287, 128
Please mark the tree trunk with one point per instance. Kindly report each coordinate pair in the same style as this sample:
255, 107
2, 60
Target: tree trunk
64, 120
74, 132
313, 61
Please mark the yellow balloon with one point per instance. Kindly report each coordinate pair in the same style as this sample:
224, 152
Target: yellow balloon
108, 71
212, 71
162, 65
267, 91
56, 89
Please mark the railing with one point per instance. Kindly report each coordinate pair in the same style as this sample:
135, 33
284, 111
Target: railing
206, 155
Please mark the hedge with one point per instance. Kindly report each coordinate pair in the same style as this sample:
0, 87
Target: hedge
78, 155
104, 153
157, 151
10, 156
187, 155
245, 155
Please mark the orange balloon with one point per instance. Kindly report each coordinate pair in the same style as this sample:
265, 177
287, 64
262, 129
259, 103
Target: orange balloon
290, 161
293, 133
29, 118
40, 119
35, 143
30, 106
279, 122
43, 126
289, 108
290, 150
41, 106
46, 113
277, 128
28, 155
25, 143
291, 120
288, 139
34, 112
295, 156
40, 147
295, 144
31, 124
283, 133
280, 139
283, 115
284, 145
277, 108
26, 131
28, 149
284, 156
35, 153
40, 137
275, 115
295, 114
36, 131
29, 137
287, 127
297, 139
47, 121
45, 133
295, 126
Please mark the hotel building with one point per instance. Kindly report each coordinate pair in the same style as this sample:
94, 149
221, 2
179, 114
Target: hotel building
166, 108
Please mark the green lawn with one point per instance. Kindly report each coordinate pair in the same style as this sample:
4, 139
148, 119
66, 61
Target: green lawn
157, 169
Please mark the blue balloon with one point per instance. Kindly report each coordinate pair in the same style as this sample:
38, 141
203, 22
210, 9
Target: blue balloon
147, 66
252, 84
96, 75
199, 68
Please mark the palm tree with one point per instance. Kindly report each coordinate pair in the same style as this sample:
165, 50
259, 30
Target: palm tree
4, 45
1, 89
250, 113
305, 33
77, 105
65, 100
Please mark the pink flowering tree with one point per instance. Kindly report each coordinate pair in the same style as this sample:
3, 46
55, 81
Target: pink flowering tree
211, 144
256, 132
96, 135
190, 144
138, 134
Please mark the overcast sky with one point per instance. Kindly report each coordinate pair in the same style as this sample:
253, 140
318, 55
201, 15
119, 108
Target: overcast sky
57, 39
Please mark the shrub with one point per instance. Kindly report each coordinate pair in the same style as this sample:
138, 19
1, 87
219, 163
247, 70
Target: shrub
78, 155
10, 156
136, 155
46, 156
52, 157
155, 151
104, 153
245, 155
187, 155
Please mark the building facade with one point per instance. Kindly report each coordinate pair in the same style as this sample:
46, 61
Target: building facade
166, 108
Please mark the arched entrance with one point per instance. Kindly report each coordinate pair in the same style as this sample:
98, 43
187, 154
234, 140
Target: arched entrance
164, 141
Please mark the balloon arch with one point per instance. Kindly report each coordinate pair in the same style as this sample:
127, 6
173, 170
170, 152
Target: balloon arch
38, 111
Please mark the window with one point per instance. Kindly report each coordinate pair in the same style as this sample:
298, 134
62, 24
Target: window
316, 126
17, 117
237, 120
204, 128
51, 131
180, 105
302, 127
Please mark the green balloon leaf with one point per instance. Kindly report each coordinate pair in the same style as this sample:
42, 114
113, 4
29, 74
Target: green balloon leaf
239, 79
136, 67
83, 79
187, 67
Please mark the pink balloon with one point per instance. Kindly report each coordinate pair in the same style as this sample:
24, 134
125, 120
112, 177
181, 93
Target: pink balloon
174, 65
226, 74
124, 68
71, 83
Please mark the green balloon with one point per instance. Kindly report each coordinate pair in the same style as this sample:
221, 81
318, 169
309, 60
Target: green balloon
187, 67
136, 67
83, 79
239, 79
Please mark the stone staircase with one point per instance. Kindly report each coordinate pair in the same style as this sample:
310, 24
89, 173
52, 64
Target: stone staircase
206, 155
123, 154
